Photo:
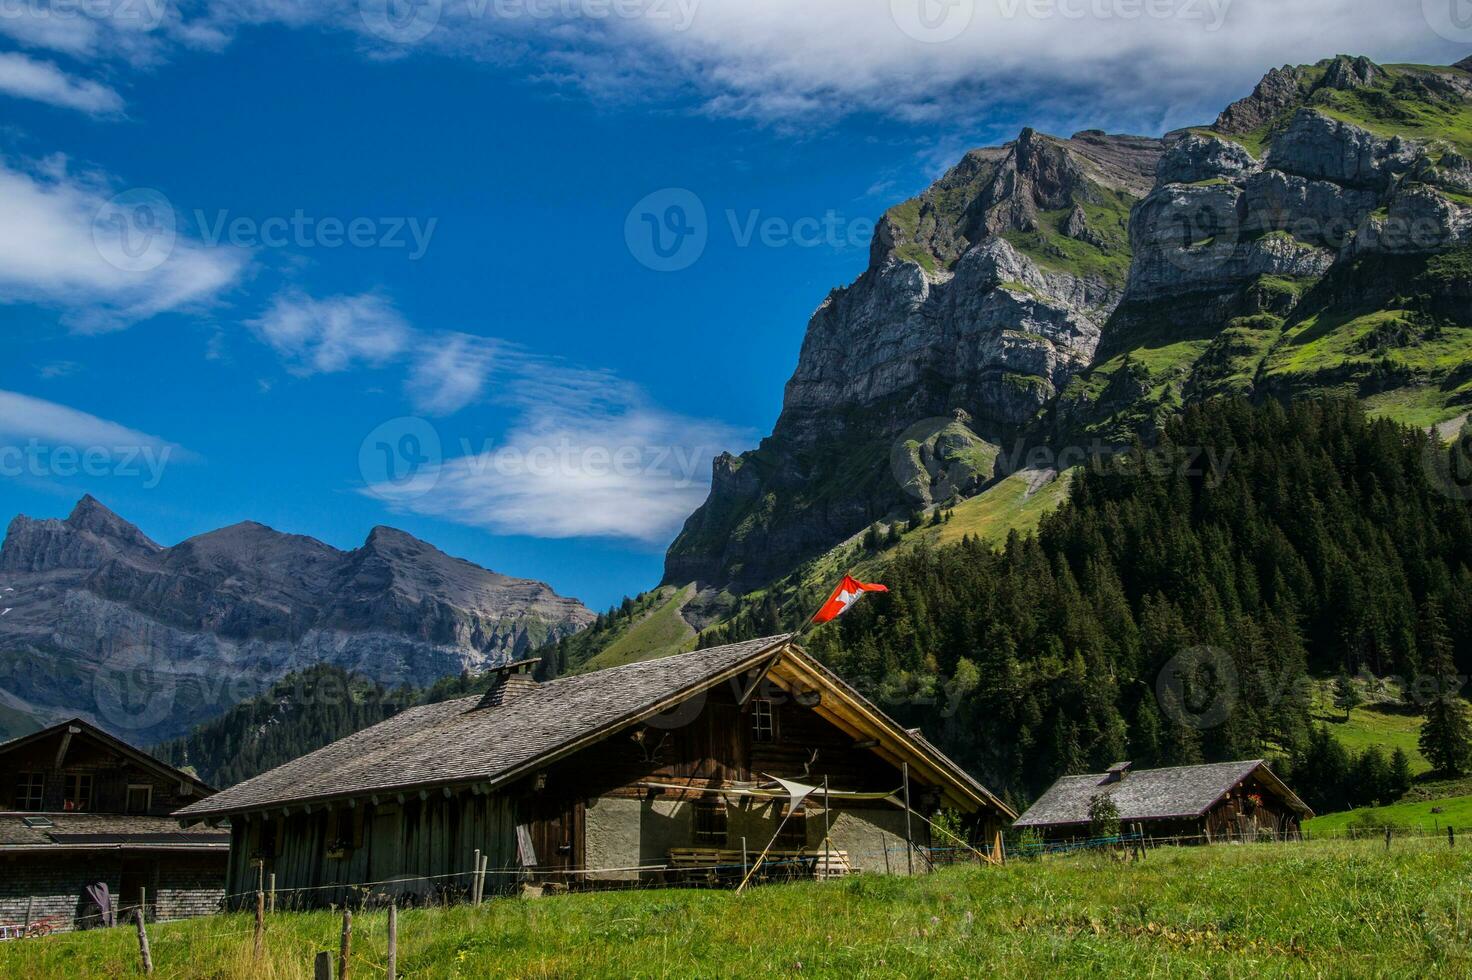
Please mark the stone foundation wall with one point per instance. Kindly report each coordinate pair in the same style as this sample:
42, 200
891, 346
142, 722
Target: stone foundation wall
54, 886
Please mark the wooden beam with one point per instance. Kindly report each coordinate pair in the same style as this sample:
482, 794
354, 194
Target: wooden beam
66, 743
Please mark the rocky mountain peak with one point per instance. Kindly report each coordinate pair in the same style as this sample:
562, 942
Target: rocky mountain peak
1278, 91
91, 515
91, 535
1345, 72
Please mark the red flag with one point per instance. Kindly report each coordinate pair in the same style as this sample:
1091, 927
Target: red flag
847, 593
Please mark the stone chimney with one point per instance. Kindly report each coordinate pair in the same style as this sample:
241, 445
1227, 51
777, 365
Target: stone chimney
1117, 772
511, 682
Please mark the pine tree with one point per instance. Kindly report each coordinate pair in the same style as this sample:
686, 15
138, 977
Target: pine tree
1446, 735
1399, 779
1346, 696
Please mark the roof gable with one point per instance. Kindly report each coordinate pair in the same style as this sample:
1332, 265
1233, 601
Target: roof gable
1152, 794
77, 728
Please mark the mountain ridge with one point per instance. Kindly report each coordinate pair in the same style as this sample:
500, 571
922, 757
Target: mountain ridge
206, 622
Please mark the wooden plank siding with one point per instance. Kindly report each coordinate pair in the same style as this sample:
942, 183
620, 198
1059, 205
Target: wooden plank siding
421, 849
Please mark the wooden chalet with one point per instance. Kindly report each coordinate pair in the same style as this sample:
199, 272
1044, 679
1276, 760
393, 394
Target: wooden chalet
85, 827
1227, 801
657, 771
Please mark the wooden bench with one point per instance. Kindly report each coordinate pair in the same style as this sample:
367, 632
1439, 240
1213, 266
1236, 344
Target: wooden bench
717, 862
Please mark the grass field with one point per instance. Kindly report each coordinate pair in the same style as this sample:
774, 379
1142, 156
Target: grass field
1317, 909
1455, 811
1390, 730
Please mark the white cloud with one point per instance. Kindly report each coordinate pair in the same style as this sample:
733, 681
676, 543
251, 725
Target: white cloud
105, 259
26, 78
1127, 62
450, 372
588, 455
1115, 63
335, 334
24, 417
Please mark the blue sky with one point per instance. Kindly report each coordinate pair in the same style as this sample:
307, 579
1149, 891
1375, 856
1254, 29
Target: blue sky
501, 360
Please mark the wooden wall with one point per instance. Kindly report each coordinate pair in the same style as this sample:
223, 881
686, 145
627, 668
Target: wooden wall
112, 773
420, 849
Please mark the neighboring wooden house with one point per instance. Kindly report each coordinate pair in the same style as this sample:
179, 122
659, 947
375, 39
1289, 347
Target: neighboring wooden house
1227, 801
627, 774
83, 809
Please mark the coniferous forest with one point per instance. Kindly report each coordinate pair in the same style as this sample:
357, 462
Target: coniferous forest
1173, 611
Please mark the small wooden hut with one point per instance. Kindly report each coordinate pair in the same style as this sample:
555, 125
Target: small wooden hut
1227, 801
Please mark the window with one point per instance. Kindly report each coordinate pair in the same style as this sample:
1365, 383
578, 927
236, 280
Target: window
794, 834
30, 791
710, 822
140, 798
764, 720
78, 793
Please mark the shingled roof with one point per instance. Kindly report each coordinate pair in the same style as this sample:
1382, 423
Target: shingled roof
1184, 792
90, 831
464, 743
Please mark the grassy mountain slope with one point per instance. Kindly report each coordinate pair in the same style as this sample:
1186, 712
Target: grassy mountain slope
1385, 323
661, 631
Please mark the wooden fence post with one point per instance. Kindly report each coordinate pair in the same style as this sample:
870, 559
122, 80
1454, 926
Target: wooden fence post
271, 899
260, 923
345, 951
393, 941
144, 954
474, 877
909, 838
1451, 836
1387, 838
322, 969
480, 878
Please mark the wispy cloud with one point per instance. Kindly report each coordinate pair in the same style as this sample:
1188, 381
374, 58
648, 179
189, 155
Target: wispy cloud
23, 417
105, 259
450, 371
587, 455
325, 336
42, 442
1100, 62
42, 81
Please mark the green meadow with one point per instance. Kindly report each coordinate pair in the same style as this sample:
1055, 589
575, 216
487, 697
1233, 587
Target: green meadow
1320, 909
